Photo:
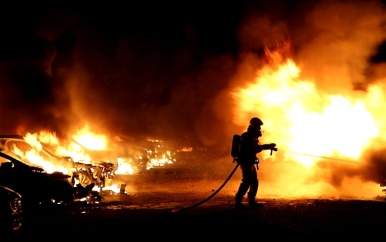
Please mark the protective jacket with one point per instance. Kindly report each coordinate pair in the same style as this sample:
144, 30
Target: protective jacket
249, 147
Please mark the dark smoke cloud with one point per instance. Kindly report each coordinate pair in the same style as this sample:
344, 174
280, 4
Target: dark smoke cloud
152, 68
142, 68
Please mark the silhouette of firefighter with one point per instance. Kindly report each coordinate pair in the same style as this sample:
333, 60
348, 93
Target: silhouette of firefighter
249, 147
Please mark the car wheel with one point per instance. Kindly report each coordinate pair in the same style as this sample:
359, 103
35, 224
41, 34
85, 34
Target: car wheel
12, 217
15, 204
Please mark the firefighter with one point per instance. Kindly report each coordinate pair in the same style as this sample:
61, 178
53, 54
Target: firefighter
248, 161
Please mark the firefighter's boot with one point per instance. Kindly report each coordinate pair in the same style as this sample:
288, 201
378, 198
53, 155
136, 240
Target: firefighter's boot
254, 204
239, 205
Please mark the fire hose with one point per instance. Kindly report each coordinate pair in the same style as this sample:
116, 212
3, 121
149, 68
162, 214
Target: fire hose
212, 195
217, 191
237, 165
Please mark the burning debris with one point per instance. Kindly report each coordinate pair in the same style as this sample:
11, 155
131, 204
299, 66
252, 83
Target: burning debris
90, 171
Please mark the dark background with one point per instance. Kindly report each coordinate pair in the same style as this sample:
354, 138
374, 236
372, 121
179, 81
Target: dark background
160, 68
139, 68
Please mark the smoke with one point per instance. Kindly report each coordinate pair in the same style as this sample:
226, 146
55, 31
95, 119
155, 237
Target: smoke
341, 48
336, 52
168, 70
128, 71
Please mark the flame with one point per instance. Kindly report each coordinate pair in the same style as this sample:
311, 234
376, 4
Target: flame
310, 125
44, 149
313, 122
125, 167
91, 140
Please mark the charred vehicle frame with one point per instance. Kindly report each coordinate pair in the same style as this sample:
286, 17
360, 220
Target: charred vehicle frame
37, 187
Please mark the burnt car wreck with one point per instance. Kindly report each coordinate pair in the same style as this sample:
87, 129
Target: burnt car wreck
49, 173
86, 180
37, 187
90, 179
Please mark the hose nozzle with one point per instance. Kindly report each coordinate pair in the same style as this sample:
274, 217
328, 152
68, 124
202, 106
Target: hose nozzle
274, 149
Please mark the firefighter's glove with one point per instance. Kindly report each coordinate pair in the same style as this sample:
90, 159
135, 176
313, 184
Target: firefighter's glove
272, 147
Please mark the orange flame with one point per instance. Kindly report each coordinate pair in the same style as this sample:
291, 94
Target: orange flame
45, 150
90, 140
310, 125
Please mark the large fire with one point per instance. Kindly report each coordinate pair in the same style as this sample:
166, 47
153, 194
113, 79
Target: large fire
87, 154
326, 137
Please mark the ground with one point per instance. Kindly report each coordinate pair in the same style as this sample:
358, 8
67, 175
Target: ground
167, 205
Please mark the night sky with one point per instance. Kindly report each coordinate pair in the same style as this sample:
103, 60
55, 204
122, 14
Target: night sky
137, 68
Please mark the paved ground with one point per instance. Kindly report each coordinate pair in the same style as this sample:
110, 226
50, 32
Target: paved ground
179, 219
168, 207
301, 220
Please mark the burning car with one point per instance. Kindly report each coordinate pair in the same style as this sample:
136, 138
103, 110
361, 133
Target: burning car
36, 154
35, 185
11, 210
92, 174
82, 176
142, 156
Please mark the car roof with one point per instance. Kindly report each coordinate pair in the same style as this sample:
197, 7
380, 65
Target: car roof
5, 153
5, 138
9, 153
10, 190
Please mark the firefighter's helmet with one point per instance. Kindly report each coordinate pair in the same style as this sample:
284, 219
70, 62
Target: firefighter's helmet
255, 121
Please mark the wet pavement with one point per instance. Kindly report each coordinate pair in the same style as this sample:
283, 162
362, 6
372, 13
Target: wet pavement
166, 207
299, 219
